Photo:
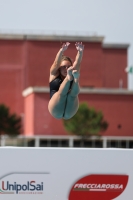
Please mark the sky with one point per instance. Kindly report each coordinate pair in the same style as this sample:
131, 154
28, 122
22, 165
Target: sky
112, 19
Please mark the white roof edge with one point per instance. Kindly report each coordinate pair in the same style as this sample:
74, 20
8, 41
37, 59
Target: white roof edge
74, 38
52, 37
31, 90
105, 91
27, 91
112, 91
12, 36
115, 45
66, 38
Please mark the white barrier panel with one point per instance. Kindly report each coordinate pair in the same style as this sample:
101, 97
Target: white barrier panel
66, 174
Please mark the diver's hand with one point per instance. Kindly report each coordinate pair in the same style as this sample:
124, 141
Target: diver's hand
79, 46
65, 46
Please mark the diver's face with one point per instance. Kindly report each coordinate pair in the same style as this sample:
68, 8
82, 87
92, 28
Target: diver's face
65, 64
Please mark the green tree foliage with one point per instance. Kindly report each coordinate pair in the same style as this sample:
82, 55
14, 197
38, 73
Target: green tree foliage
86, 122
10, 124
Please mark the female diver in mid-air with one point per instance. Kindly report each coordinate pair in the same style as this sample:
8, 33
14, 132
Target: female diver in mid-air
64, 83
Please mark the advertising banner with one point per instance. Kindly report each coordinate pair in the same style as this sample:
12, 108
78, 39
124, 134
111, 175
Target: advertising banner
66, 174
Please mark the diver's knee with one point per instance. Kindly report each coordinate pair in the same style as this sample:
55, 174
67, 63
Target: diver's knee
57, 115
66, 117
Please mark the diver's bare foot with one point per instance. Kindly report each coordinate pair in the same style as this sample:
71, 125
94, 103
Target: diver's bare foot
69, 73
76, 75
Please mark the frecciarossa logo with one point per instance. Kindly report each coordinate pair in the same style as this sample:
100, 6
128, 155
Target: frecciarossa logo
98, 187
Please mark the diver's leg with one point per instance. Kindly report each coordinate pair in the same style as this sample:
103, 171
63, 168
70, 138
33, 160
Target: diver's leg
72, 103
57, 103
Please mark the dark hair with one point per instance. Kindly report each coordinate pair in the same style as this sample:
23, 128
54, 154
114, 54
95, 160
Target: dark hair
67, 58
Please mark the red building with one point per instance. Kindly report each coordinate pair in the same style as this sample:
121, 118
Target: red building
24, 69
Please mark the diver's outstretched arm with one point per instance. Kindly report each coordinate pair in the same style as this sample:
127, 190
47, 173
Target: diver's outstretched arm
78, 59
55, 66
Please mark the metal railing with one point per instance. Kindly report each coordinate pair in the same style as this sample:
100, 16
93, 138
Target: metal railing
67, 141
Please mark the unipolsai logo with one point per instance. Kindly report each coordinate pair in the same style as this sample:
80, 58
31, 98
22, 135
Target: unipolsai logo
30, 187
22, 183
99, 186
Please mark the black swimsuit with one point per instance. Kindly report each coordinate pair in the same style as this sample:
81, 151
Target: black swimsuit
55, 85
